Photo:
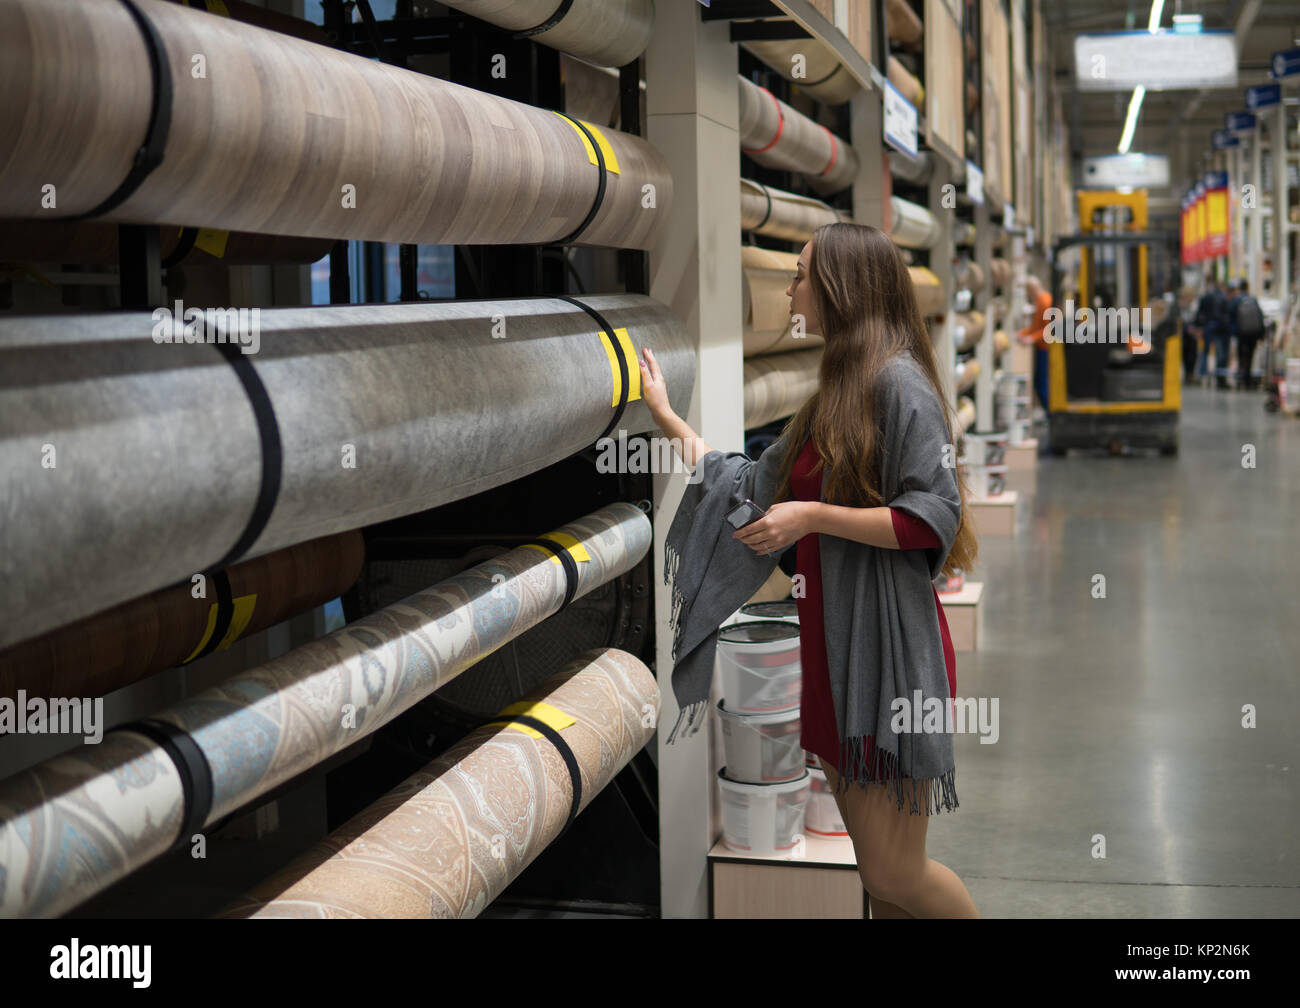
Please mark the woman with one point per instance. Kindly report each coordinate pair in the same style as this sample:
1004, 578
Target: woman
875, 433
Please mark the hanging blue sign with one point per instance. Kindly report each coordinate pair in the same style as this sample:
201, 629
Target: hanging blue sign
1286, 63
1222, 140
1239, 122
1263, 95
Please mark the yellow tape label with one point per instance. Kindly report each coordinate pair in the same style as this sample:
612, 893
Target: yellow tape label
564, 540
217, 7
611, 160
239, 619
551, 716
212, 241
633, 368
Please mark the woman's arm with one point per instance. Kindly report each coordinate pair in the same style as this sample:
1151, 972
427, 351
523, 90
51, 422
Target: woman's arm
873, 526
689, 445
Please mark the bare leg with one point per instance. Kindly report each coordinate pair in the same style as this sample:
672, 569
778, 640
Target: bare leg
878, 907
893, 865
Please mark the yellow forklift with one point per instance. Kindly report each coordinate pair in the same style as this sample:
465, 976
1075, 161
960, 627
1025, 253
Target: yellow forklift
1115, 358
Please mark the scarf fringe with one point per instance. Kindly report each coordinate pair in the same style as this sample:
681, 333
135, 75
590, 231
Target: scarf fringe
928, 795
690, 718
676, 620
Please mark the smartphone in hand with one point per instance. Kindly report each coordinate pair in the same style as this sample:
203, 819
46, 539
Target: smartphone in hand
744, 513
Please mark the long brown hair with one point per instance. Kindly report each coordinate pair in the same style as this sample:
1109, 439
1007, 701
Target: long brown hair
868, 312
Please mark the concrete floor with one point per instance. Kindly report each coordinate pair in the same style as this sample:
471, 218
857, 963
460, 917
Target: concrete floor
1122, 716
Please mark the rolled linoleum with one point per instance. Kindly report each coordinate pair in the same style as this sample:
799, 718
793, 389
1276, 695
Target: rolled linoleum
72, 826
779, 214
607, 32
286, 137
777, 136
912, 225
448, 840
136, 464
824, 76
777, 385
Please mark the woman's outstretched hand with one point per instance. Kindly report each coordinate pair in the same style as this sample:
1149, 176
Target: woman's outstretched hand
653, 389
785, 523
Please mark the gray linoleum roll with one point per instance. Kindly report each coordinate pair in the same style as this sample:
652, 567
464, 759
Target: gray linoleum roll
912, 225
72, 826
777, 136
450, 838
285, 137
916, 170
131, 465
824, 76
608, 32
780, 214
776, 386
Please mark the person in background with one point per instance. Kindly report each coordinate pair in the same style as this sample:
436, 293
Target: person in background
1191, 343
1246, 324
1212, 321
1035, 333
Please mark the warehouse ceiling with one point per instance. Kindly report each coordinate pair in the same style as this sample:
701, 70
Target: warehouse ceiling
1175, 123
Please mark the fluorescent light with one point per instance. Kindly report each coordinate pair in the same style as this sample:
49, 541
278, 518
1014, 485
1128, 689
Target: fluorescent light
1130, 123
1157, 8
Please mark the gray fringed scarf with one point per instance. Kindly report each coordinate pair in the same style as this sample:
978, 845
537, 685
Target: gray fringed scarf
882, 632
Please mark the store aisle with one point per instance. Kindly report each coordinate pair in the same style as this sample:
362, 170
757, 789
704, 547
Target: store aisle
1122, 716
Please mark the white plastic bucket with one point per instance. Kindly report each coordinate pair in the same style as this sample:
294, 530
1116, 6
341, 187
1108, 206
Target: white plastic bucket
762, 748
823, 814
787, 609
759, 664
763, 818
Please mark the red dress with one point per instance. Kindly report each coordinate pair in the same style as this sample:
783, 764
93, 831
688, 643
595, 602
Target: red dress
818, 727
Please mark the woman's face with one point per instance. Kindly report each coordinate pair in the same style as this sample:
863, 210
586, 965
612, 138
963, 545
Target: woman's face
800, 294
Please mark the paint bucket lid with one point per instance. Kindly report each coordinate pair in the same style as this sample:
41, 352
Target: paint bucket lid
758, 632
775, 717
786, 609
781, 787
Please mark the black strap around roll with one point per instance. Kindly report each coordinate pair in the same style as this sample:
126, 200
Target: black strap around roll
150, 154
225, 611
192, 767
272, 451
808, 84
600, 185
566, 561
624, 365
548, 24
183, 247
768, 212
566, 754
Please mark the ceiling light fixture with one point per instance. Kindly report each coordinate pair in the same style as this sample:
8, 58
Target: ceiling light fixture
1157, 8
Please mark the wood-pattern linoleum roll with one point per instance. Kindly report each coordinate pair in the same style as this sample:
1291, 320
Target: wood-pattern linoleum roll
968, 275
930, 296
56, 241
968, 329
765, 308
777, 385
967, 374
902, 24
162, 463
777, 136
72, 826
824, 76
1001, 271
907, 84
912, 225
780, 214
965, 414
171, 627
607, 32
446, 841
286, 137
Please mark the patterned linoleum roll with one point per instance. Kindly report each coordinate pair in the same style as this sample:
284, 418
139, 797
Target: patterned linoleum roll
73, 826
282, 136
968, 329
607, 32
145, 462
930, 296
447, 841
967, 374
780, 214
1001, 271
764, 305
824, 77
912, 225
55, 241
777, 385
1000, 342
777, 136
171, 627
968, 275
